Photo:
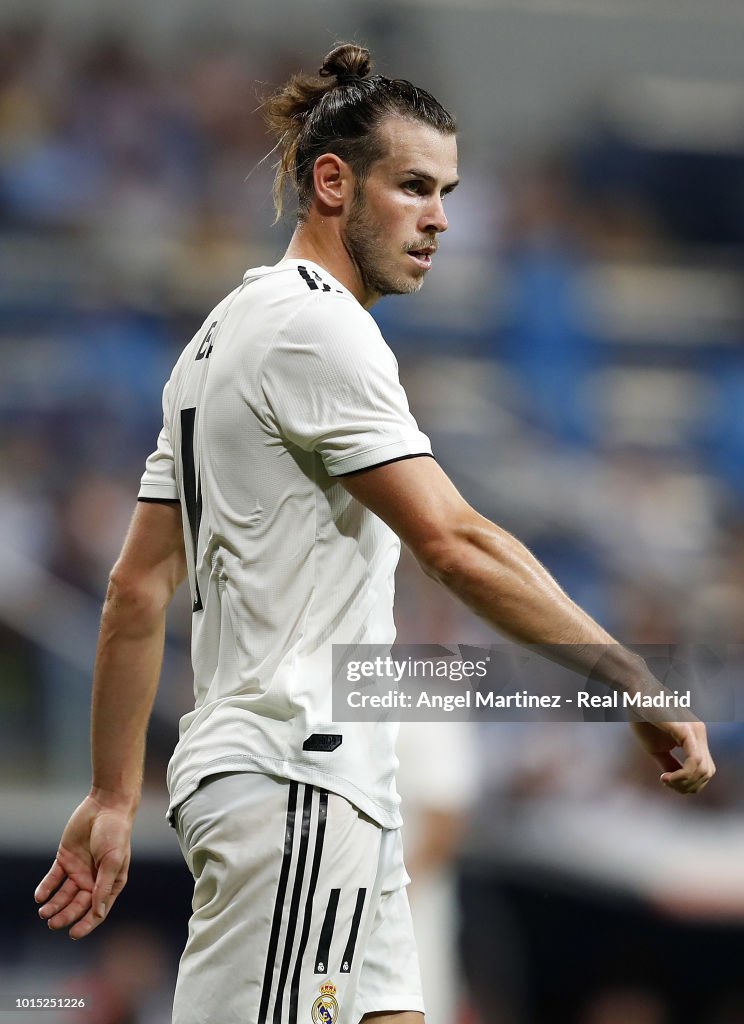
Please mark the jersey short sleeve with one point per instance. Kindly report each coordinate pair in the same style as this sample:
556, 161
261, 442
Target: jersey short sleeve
331, 385
159, 479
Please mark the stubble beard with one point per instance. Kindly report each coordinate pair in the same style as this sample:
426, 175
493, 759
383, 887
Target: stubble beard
366, 245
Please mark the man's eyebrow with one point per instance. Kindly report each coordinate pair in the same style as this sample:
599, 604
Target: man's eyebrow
414, 173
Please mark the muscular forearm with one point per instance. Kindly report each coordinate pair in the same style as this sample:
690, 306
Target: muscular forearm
497, 577
128, 663
500, 580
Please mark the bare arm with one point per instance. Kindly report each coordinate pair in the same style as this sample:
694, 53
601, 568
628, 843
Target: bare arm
497, 577
91, 865
130, 649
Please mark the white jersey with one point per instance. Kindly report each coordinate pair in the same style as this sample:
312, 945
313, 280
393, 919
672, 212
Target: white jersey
288, 385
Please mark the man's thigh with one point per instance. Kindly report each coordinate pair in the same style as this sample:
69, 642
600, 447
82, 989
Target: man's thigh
287, 888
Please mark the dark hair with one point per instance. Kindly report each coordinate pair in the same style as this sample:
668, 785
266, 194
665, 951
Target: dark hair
339, 111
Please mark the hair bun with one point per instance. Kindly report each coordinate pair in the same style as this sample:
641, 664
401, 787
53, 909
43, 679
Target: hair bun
347, 61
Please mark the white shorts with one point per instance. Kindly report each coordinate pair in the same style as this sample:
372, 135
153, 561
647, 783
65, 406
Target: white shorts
300, 912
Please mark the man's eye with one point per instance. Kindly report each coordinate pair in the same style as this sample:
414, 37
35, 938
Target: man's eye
413, 186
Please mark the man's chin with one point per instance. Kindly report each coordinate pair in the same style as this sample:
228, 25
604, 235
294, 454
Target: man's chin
407, 285
413, 286
402, 284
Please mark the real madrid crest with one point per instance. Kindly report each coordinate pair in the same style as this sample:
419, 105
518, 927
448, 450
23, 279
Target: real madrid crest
325, 1007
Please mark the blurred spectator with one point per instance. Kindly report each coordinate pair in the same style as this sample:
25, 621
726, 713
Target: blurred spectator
130, 981
621, 1007
544, 336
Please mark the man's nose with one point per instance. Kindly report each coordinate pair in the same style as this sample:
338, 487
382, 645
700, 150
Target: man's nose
435, 218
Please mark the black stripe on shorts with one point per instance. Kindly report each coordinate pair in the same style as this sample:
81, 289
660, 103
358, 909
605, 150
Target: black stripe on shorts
314, 871
348, 957
294, 906
281, 893
326, 934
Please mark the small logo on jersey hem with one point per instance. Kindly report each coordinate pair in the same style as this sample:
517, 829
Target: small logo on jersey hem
324, 742
325, 1007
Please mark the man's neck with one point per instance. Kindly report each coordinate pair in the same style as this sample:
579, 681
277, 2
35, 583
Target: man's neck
319, 241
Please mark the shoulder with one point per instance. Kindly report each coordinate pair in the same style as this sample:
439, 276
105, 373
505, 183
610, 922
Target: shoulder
326, 314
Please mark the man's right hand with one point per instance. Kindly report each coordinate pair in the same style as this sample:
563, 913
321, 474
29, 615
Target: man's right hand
659, 739
90, 868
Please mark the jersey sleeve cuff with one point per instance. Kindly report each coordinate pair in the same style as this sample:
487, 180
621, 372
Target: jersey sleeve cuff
157, 492
376, 456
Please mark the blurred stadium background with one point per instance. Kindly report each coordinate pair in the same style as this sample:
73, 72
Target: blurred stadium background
577, 357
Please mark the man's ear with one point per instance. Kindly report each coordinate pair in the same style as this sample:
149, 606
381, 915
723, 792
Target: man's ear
333, 181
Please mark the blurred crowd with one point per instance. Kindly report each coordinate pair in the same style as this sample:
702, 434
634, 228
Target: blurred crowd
578, 363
